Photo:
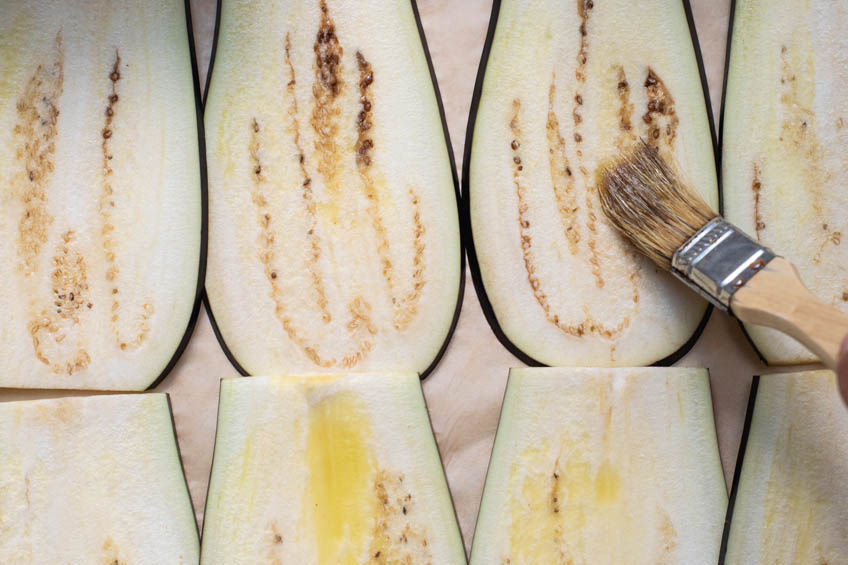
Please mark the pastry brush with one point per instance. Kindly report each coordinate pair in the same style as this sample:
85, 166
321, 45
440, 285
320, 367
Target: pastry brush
677, 230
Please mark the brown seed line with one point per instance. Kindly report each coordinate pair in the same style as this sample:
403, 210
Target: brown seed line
308, 196
396, 538
35, 133
625, 110
561, 174
54, 324
107, 205
360, 310
584, 9
660, 118
404, 309
625, 138
588, 325
756, 188
325, 91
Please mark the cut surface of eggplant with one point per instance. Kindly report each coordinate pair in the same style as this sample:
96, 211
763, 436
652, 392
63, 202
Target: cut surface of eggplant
93, 480
100, 172
784, 146
567, 86
603, 466
326, 470
790, 504
334, 232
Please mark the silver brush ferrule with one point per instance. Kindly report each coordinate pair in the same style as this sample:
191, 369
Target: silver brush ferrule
718, 260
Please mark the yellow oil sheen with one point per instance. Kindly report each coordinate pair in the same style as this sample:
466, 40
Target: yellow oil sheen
550, 515
341, 469
607, 484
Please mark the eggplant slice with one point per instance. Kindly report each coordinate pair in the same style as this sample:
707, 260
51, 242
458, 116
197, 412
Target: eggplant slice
784, 146
789, 503
563, 87
334, 226
93, 480
102, 178
603, 466
331, 469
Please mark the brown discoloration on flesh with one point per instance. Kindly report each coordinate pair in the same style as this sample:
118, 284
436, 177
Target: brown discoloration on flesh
397, 538
799, 136
625, 108
107, 230
308, 196
561, 174
112, 555
35, 134
364, 142
668, 538
53, 326
329, 155
325, 91
756, 188
588, 325
661, 117
405, 308
584, 8
275, 545
360, 323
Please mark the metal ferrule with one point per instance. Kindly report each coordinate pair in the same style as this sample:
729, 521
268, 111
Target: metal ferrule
718, 260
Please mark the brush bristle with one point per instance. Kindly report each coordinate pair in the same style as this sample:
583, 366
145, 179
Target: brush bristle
643, 198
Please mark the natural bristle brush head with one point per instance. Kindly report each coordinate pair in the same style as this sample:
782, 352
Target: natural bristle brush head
644, 199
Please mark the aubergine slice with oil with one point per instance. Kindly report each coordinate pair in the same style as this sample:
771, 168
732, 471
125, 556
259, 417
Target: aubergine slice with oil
334, 232
784, 146
330, 469
93, 480
563, 88
101, 176
603, 466
789, 503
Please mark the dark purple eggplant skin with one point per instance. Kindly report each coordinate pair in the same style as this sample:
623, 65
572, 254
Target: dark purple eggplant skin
465, 206
204, 208
737, 472
458, 308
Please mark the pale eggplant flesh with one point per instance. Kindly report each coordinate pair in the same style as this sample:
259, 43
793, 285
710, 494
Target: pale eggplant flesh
326, 470
93, 480
789, 503
603, 466
784, 146
101, 184
563, 87
334, 232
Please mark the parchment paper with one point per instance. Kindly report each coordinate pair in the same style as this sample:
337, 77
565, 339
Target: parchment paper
464, 393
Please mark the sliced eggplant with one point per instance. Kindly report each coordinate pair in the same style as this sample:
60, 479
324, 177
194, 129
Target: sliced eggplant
333, 209
102, 192
93, 480
562, 87
789, 503
784, 146
331, 469
603, 466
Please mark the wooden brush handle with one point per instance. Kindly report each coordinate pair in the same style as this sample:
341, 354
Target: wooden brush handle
776, 297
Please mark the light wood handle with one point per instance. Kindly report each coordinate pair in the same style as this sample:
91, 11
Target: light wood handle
776, 297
